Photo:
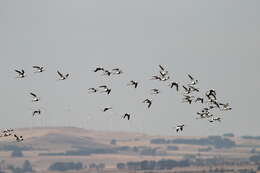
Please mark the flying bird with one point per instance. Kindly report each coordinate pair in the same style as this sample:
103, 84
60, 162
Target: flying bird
99, 69
107, 73
106, 109
117, 71
20, 73
199, 99
126, 115
18, 138
38, 69
179, 127
106, 89
163, 71
133, 83
92, 90
62, 76
172, 84
35, 97
36, 112
148, 101
155, 91
193, 81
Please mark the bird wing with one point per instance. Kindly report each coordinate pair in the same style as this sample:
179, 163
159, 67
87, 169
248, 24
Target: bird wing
191, 78
34, 95
102, 86
35, 66
161, 67
17, 71
60, 74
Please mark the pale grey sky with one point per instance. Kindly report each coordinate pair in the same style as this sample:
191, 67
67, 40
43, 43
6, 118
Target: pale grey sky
216, 41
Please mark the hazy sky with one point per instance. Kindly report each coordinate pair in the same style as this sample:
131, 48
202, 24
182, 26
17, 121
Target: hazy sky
216, 41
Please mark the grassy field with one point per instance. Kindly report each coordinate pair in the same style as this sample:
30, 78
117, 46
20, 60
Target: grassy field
60, 140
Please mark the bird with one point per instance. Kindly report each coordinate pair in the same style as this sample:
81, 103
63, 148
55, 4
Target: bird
188, 100
133, 83
187, 90
35, 97
117, 71
225, 107
20, 73
216, 119
126, 115
92, 90
214, 102
38, 69
18, 138
106, 109
103, 86
7, 130
36, 112
155, 91
174, 84
165, 78
107, 73
211, 93
193, 81
200, 99
163, 72
106, 89
155, 77
192, 88
99, 69
62, 76
179, 127
148, 101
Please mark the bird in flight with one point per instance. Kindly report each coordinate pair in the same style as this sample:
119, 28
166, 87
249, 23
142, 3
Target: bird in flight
148, 101
133, 83
106, 89
107, 73
187, 90
38, 69
92, 90
18, 138
172, 84
155, 91
36, 112
199, 99
106, 109
211, 93
179, 127
193, 81
163, 71
99, 69
117, 71
20, 73
62, 76
35, 97
126, 115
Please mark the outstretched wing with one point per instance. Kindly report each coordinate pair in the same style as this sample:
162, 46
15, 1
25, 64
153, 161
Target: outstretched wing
34, 95
191, 78
161, 67
17, 71
37, 67
60, 74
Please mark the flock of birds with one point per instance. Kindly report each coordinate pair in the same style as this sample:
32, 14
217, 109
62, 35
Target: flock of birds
209, 101
190, 93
